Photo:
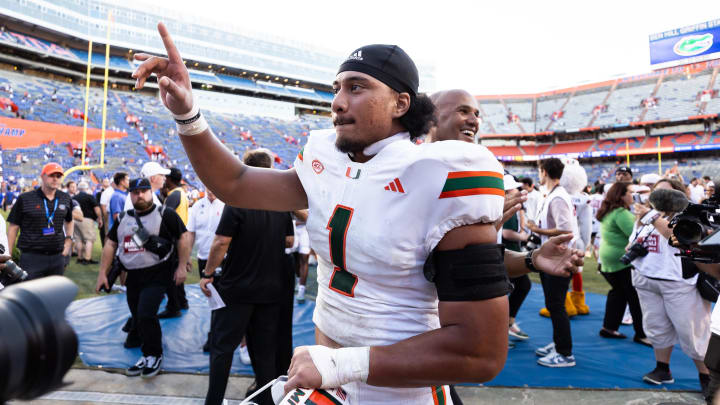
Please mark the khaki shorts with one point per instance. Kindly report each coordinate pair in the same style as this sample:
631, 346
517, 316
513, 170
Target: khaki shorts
673, 312
86, 230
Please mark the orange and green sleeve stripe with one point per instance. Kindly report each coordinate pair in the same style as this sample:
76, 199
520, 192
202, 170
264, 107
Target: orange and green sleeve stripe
460, 184
300, 155
438, 394
322, 397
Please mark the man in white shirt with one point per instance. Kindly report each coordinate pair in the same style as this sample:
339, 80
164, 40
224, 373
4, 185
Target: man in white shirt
204, 218
533, 198
156, 174
203, 221
697, 191
107, 193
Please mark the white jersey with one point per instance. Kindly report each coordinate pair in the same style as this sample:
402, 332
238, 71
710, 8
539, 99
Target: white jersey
583, 212
374, 224
595, 203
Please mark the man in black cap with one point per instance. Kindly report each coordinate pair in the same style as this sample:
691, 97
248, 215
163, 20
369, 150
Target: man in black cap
381, 207
152, 242
624, 174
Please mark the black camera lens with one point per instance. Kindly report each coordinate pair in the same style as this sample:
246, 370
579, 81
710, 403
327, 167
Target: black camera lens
635, 251
689, 231
37, 346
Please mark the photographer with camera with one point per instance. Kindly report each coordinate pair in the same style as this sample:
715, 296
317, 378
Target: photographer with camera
616, 226
672, 307
153, 245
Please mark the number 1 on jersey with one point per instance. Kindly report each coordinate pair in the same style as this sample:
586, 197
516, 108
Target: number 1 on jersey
341, 281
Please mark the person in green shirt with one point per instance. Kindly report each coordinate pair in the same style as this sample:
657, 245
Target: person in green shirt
616, 225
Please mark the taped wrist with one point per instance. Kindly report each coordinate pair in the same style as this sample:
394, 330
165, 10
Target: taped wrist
474, 273
191, 123
341, 366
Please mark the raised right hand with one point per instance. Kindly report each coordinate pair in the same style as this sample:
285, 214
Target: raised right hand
173, 76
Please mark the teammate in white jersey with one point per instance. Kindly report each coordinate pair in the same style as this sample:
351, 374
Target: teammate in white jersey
379, 206
456, 118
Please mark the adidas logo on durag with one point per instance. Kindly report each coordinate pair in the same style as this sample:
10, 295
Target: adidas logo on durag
395, 186
357, 55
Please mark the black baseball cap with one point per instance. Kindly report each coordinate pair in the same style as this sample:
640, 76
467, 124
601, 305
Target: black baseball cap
140, 183
175, 175
387, 63
624, 169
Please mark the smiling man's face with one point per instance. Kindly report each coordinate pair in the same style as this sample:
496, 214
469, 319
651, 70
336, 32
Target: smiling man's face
457, 116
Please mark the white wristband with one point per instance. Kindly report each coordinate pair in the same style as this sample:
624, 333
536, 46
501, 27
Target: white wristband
341, 366
194, 128
193, 112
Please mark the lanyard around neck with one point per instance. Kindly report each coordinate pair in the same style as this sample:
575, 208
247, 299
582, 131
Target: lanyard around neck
48, 215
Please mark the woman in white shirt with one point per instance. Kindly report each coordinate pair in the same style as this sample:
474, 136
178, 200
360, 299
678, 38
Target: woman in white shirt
673, 310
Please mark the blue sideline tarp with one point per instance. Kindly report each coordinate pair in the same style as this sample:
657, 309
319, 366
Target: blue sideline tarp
98, 323
601, 363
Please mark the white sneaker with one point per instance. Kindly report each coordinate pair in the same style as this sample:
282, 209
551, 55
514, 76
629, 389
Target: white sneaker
120, 288
135, 370
627, 318
556, 359
545, 350
245, 355
517, 333
300, 294
152, 366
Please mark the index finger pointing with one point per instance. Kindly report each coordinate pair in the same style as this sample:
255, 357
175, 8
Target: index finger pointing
172, 52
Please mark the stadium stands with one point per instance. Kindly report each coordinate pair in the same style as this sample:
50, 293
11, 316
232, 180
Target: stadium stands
665, 95
198, 37
122, 64
143, 119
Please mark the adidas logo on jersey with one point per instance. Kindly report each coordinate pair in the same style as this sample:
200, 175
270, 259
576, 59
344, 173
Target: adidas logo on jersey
395, 186
357, 55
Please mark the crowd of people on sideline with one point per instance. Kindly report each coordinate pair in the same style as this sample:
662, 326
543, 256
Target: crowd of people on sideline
253, 263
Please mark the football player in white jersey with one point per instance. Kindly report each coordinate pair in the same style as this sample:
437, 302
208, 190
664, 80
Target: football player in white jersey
395, 227
457, 118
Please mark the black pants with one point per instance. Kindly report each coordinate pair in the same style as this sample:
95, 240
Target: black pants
228, 325
712, 361
555, 288
517, 296
145, 292
176, 297
622, 293
284, 337
201, 266
102, 234
39, 265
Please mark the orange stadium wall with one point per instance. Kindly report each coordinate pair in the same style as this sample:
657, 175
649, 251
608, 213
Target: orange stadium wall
17, 133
